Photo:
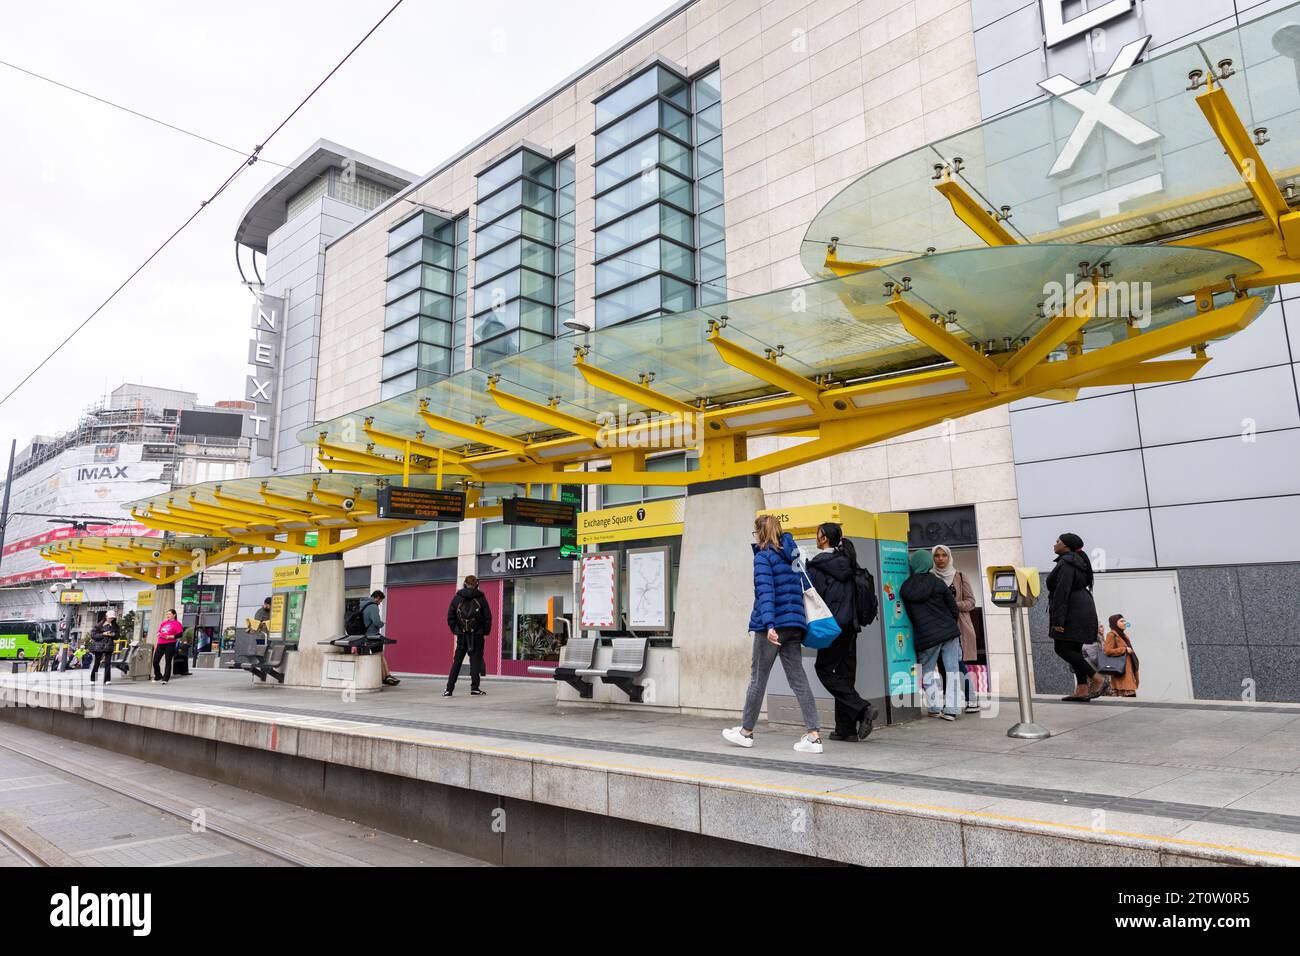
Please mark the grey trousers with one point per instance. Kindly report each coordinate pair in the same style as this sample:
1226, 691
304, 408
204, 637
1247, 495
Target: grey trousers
765, 654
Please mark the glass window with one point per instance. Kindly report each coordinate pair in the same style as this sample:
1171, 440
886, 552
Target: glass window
713, 261
627, 265
500, 202
712, 223
708, 90
508, 344
399, 362
401, 335
677, 296
710, 156
619, 101
711, 191
540, 168
675, 122
678, 260
631, 195
503, 172
503, 288
511, 315
435, 359
417, 303
627, 130
398, 386
628, 302
539, 198
708, 122
496, 536
399, 547
567, 171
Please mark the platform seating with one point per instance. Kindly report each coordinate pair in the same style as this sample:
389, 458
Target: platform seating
577, 655
624, 667
272, 663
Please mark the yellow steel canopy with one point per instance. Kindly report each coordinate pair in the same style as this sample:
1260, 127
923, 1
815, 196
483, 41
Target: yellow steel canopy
993, 265
154, 560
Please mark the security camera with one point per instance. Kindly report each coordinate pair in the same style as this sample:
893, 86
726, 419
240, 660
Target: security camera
54, 589
349, 504
156, 555
576, 324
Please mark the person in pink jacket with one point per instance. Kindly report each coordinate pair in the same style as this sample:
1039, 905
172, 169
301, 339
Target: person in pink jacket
168, 632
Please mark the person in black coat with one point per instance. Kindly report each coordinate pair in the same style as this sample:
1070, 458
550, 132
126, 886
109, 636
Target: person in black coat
470, 618
1073, 615
933, 612
831, 573
102, 639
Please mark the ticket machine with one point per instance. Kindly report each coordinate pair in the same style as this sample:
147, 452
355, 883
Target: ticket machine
1016, 589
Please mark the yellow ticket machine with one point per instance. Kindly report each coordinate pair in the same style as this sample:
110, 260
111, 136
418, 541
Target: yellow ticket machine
1016, 589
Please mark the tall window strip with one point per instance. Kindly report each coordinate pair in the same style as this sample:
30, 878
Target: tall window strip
710, 225
645, 225
515, 255
566, 232
419, 302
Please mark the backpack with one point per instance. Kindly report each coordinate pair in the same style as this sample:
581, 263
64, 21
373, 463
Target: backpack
355, 623
865, 602
468, 616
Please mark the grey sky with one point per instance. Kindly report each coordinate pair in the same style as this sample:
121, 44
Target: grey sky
86, 192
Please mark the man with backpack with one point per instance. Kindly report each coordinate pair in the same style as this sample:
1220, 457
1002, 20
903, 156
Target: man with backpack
470, 619
850, 594
366, 620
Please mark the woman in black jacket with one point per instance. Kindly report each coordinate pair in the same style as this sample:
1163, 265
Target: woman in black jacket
831, 572
933, 612
102, 639
1073, 615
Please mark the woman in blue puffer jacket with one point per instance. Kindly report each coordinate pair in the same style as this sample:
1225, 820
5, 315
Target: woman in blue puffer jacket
776, 626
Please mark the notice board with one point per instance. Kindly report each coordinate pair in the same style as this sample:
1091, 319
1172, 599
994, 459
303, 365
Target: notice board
598, 591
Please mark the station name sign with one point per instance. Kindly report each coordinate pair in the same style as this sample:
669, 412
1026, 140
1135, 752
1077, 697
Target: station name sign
420, 504
539, 513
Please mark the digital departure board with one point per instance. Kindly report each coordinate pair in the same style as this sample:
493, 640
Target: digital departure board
420, 504
539, 513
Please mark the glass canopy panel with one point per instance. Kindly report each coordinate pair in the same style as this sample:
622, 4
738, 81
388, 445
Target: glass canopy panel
841, 327
1165, 175
364, 487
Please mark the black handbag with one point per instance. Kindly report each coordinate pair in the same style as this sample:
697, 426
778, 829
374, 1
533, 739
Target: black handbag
1112, 665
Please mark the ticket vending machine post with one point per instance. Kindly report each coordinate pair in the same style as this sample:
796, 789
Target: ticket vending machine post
1016, 589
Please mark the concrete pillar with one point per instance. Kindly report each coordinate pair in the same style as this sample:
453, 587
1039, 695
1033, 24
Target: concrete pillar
322, 620
715, 593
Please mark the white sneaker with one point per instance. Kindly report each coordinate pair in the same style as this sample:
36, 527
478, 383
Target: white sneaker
807, 745
736, 736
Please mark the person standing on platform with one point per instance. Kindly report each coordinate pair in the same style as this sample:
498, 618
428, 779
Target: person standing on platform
832, 572
1118, 644
103, 638
1073, 615
374, 623
776, 629
933, 611
165, 650
964, 594
470, 619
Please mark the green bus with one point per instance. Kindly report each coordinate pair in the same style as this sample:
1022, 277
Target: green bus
26, 636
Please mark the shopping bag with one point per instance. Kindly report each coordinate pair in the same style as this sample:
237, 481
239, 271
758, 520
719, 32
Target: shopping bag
822, 628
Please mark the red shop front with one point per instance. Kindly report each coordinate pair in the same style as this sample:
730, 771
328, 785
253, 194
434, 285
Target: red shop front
415, 615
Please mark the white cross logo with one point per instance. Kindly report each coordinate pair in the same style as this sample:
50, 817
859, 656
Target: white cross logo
1097, 108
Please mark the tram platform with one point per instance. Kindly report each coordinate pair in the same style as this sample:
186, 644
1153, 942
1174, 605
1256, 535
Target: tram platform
1118, 782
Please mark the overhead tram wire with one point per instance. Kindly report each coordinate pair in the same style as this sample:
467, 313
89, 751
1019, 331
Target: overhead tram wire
245, 164
136, 113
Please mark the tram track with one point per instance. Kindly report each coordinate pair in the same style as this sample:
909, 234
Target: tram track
31, 859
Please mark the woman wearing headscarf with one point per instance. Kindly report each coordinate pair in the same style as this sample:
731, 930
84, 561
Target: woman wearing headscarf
947, 572
1117, 644
933, 612
1073, 615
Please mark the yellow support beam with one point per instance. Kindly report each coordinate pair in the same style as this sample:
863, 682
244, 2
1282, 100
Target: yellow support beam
930, 333
1059, 329
386, 439
764, 369
546, 414
973, 214
471, 433
1241, 149
845, 267
1170, 370
640, 393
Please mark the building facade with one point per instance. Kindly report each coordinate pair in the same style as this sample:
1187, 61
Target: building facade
281, 237
142, 441
1187, 494
681, 168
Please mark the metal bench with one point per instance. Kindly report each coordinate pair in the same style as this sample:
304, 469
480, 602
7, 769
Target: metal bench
626, 664
272, 663
577, 656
